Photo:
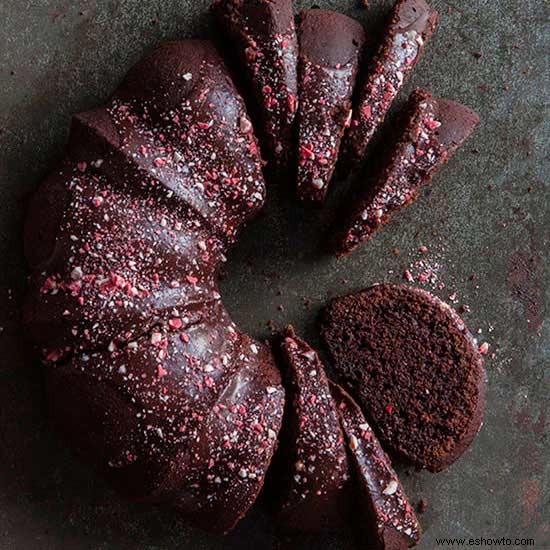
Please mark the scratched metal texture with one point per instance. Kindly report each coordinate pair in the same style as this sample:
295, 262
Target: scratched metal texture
485, 222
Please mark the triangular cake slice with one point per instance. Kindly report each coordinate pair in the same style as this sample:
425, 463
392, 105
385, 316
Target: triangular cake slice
433, 130
264, 36
390, 520
411, 24
330, 45
312, 473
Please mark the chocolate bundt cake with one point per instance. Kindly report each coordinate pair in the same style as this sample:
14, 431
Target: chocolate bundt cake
390, 520
330, 46
146, 373
411, 25
148, 377
433, 130
263, 33
312, 477
409, 360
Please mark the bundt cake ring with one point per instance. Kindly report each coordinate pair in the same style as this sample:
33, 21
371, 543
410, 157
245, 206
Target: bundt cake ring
158, 385
147, 376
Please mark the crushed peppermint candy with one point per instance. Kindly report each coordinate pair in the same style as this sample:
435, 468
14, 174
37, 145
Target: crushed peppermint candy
391, 487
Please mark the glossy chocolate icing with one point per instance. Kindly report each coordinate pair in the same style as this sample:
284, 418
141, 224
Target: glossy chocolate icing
411, 25
312, 478
264, 35
147, 375
390, 520
330, 46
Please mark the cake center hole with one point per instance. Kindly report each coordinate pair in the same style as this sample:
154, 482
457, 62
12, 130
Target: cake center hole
280, 272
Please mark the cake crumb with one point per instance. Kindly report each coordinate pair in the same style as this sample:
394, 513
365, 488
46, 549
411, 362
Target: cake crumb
422, 505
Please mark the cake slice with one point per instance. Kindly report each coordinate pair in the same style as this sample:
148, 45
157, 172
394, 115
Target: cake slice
390, 520
411, 25
330, 45
414, 368
433, 130
264, 37
312, 477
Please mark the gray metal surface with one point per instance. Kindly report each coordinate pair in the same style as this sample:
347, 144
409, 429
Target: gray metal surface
486, 224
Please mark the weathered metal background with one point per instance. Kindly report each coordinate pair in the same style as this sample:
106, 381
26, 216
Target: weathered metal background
486, 224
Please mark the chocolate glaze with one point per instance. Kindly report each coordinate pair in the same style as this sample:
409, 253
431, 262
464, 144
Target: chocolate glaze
329, 38
330, 46
103, 281
264, 34
433, 131
411, 24
147, 375
169, 171
312, 477
390, 520
413, 366
235, 444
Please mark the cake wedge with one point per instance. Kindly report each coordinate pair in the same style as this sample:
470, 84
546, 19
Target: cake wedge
432, 131
312, 477
411, 25
263, 36
330, 46
390, 523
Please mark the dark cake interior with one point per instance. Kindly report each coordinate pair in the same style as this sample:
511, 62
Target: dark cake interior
411, 363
